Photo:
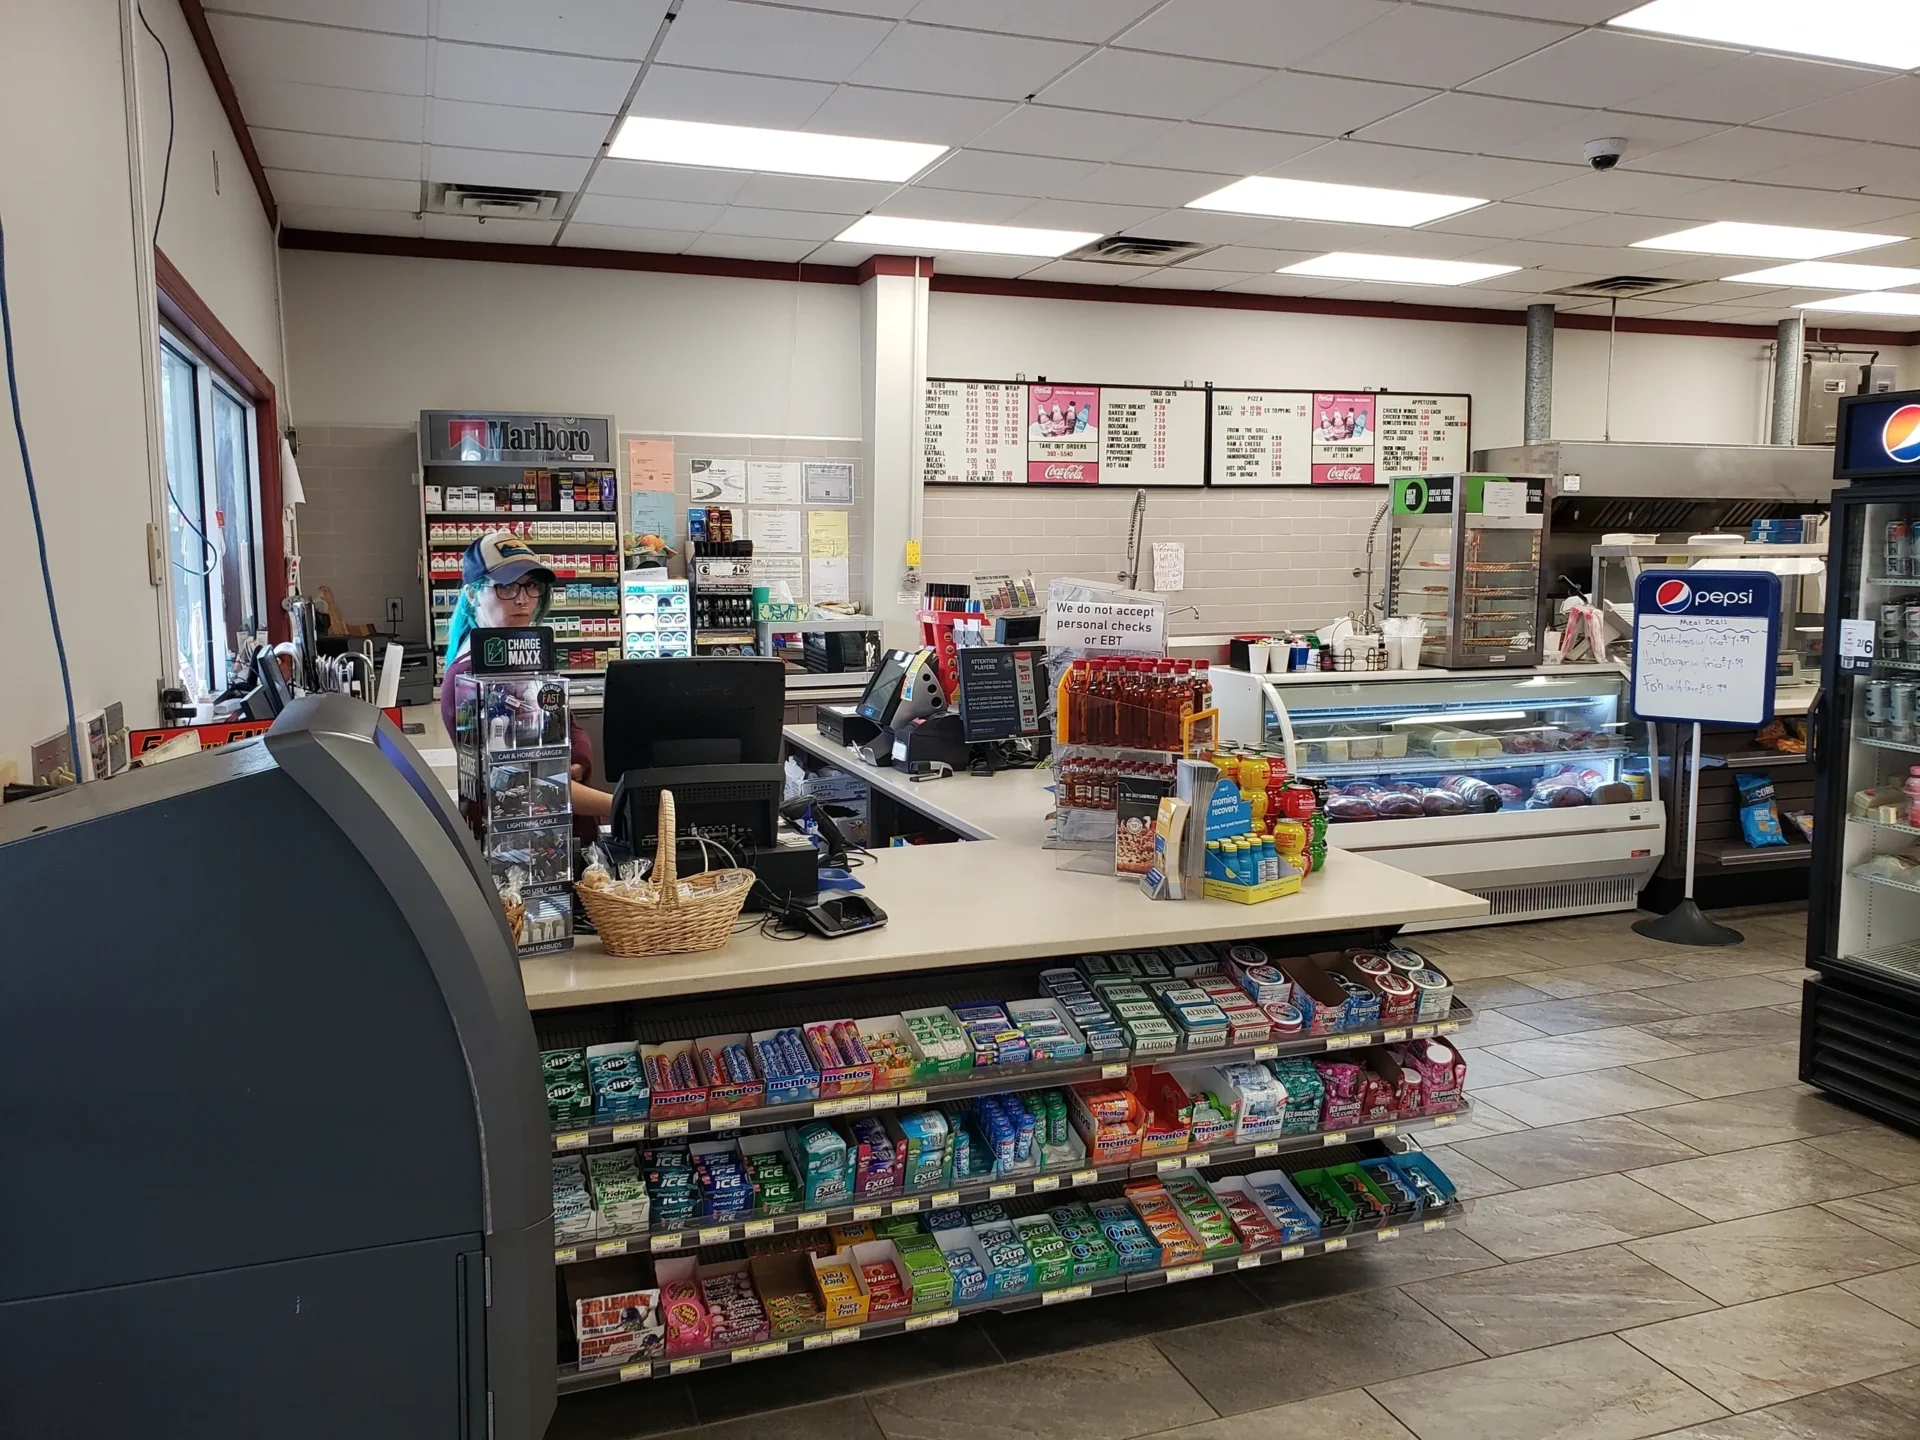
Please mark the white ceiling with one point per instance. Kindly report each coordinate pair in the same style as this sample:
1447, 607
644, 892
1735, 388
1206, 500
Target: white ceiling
1103, 115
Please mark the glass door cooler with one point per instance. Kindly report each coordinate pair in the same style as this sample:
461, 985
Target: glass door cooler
1534, 788
1860, 1023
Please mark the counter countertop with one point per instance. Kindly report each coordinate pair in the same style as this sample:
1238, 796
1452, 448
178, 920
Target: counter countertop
992, 899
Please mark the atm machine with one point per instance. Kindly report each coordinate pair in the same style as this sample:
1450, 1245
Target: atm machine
272, 1130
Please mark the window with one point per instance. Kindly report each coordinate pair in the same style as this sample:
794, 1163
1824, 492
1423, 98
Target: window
213, 501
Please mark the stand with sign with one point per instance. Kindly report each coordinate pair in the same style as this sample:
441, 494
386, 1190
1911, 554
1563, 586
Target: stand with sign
1703, 651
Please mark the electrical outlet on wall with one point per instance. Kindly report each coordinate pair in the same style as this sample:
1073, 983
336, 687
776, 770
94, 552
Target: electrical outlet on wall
396, 611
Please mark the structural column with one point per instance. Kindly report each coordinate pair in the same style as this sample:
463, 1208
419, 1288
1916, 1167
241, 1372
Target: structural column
1539, 396
893, 382
1789, 342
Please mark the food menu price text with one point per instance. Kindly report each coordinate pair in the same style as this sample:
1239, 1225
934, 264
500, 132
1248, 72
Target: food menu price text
975, 432
1423, 434
1153, 437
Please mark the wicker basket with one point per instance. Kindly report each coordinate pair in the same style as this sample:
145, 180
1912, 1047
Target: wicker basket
516, 911
657, 920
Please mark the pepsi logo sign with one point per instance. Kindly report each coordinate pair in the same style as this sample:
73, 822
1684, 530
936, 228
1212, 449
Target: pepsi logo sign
1673, 595
1900, 435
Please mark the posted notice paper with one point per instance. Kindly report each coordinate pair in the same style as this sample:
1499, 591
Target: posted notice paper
829, 482
718, 481
827, 578
775, 530
650, 466
773, 482
827, 535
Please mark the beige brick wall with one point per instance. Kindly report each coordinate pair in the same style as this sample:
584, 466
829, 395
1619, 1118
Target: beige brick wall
1256, 559
360, 527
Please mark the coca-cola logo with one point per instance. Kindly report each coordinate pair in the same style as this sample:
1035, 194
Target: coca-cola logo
1066, 472
1345, 474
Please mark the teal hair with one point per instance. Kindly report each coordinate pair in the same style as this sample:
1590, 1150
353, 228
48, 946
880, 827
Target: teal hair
466, 613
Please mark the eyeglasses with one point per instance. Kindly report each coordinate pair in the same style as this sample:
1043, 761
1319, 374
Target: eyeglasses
521, 590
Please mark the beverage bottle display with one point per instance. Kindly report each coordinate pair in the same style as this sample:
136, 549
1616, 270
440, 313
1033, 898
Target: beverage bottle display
1077, 703
1202, 686
1911, 812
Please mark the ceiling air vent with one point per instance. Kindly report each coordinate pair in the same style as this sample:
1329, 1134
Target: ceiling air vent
1619, 286
493, 202
1138, 250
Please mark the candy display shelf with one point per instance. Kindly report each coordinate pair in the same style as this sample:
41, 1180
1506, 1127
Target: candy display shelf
753, 1227
572, 1379
993, 1081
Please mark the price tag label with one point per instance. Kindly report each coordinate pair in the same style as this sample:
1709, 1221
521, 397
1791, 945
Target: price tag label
1250, 1262
1266, 1052
945, 1200
1421, 1032
1334, 1137
844, 1334
1392, 1232
868, 1212
1266, 1148
1189, 1272
1199, 1158
759, 1352
1044, 1183
1856, 646
1086, 1177
905, 1207
724, 1122
812, 1220
681, 1367
1170, 1164
1436, 1225
572, 1140
1292, 1252
1347, 1042
716, 1234
1113, 1072
629, 1132
666, 1242
610, 1247
754, 1229
883, 1100
1380, 1130
1002, 1192
641, 1371
1445, 1119
1446, 1027
817, 1342
666, 1129
1339, 1242
566, 1256
912, 1097
845, 1105
927, 1322
1389, 1036
1066, 1292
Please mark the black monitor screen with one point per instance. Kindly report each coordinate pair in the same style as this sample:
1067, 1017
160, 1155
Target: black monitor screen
883, 693
1879, 437
695, 710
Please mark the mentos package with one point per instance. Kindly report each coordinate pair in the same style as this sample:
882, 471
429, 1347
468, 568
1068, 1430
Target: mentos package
1759, 816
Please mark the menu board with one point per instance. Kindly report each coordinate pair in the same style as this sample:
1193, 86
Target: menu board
975, 432
1422, 434
1153, 436
1262, 437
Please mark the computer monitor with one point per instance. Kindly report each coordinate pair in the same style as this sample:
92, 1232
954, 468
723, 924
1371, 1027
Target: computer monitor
672, 712
883, 691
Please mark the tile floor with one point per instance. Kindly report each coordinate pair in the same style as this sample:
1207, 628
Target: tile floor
1673, 1237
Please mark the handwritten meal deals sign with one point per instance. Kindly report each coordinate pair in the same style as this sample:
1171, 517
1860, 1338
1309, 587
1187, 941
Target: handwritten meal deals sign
1108, 627
1704, 644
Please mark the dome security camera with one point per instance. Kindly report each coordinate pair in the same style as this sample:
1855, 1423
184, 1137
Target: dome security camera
1605, 154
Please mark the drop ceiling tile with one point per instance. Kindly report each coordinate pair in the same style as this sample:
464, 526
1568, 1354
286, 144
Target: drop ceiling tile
1257, 32
1077, 272
999, 174
833, 253
343, 192
609, 29
1720, 314
903, 115
966, 62
1131, 83
457, 165
621, 237
1317, 237
394, 17
1531, 280
624, 213
1780, 205
1057, 133
808, 192
764, 40
1356, 162
753, 247
1473, 123
329, 110
1740, 154
489, 232
1314, 104
1888, 111
515, 128
1302, 285
1844, 165
1507, 222
1492, 177
1750, 87
1089, 215
1176, 277
1574, 12
1604, 68
881, 9
493, 76
673, 92
1090, 20
332, 155
1003, 267
1206, 227
779, 224
639, 180
928, 202
281, 50
1615, 190
348, 221
1246, 259
1221, 149
1721, 292
1420, 46
1602, 230
1139, 185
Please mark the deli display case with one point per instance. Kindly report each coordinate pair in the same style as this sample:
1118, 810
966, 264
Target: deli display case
1535, 788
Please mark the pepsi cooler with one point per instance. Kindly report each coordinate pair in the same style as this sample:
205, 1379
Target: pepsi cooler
1860, 1021
276, 1139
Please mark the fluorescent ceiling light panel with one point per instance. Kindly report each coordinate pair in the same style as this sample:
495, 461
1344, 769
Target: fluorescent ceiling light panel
780, 152
1879, 302
940, 235
1770, 242
1831, 275
1398, 269
1884, 33
1317, 200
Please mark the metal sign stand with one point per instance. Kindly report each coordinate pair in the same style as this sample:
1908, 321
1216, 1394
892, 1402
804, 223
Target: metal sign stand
1687, 923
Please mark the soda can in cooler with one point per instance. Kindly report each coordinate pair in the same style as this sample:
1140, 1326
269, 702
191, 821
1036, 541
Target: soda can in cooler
1878, 707
1888, 642
1899, 548
1900, 710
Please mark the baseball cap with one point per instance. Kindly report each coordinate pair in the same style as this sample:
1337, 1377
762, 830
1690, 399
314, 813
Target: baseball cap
501, 559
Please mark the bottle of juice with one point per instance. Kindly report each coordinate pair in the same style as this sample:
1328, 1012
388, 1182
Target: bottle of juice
1202, 687
1076, 704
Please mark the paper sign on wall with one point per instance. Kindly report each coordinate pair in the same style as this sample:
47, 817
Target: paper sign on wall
1169, 566
773, 482
650, 512
775, 530
721, 482
774, 570
827, 534
650, 466
1108, 626
828, 482
827, 578
1704, 644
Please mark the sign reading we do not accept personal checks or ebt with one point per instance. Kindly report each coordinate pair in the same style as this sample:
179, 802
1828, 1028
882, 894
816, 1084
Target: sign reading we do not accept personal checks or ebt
1703, 645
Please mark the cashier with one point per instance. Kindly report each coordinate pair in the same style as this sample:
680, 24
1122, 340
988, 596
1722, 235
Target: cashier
504, 585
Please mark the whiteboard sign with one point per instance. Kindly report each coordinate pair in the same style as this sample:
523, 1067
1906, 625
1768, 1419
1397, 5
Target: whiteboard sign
1703, 645
1107, 627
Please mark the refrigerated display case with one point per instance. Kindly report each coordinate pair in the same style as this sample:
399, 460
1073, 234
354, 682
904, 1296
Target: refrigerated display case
1860, 1023
1536, 789
1467, 553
